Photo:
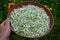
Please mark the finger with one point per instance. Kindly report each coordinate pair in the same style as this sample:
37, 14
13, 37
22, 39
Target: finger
3, 23
0, 24
8, 22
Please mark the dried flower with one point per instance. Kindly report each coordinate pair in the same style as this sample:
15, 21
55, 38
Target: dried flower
51, 9
9, 5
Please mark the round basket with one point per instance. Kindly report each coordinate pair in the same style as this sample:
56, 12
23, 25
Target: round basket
39, 5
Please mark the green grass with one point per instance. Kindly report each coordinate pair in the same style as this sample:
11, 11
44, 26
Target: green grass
54, 4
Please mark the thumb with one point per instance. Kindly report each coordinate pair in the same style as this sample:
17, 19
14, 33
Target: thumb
8, 22
5, 22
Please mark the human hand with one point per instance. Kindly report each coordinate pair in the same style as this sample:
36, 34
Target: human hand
5, 29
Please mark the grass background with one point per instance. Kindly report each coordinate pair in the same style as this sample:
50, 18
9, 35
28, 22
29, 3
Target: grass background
54, 4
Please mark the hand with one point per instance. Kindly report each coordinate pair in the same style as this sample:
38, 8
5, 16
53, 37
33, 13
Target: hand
5, 30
